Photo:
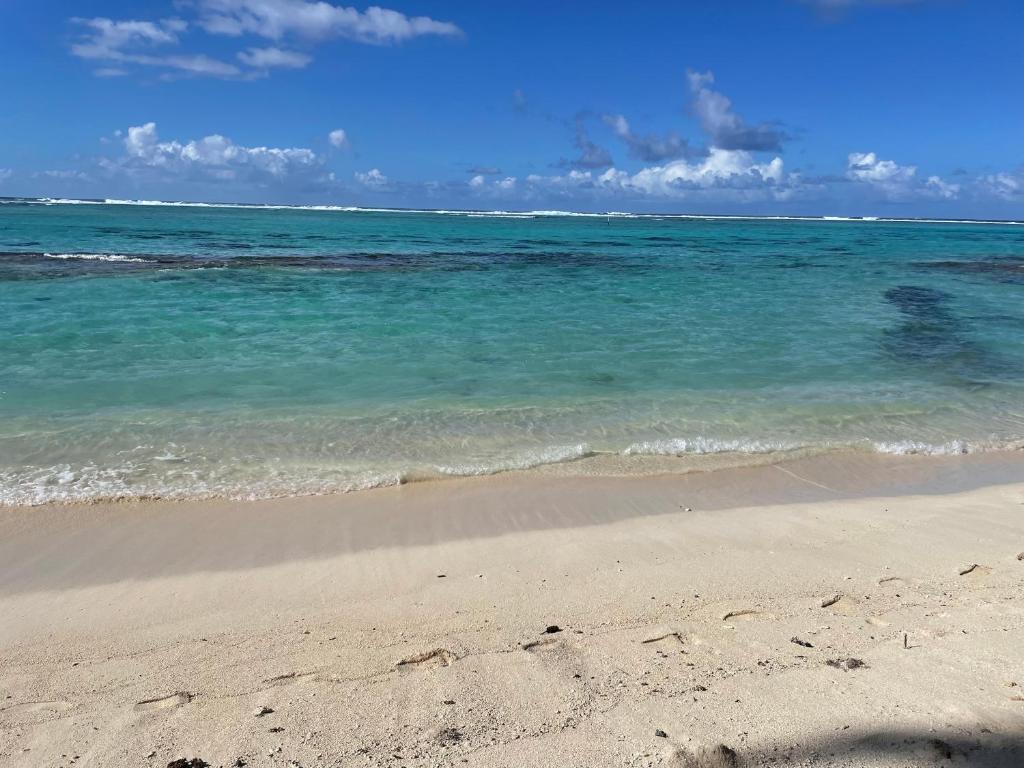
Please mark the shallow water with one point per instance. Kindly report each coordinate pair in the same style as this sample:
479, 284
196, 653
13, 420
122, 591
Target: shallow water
192, 351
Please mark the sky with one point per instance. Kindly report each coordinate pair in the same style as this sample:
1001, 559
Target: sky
819, 107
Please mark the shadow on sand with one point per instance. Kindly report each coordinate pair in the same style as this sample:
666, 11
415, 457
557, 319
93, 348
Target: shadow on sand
897, 747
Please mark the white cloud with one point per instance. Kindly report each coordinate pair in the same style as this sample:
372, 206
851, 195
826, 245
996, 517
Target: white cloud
66, 175
213, 157
724, 174
106, 38
722, 167
373, 179
129, 42
650, 148
267, 58
895, 181
940, 188
726, 129
117, 43
274, 19
338, 138
1005, 186
866, 166
477, 181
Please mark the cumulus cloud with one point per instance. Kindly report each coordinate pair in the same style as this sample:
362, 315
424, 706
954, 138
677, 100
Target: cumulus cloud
866, 166
895, 181
939, 188
724, 127
338, 138
211, 158
267, 58
372, 179
650, 148
723, 174
275, 19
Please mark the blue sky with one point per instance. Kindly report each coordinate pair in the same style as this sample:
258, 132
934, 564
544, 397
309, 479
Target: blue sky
844, 107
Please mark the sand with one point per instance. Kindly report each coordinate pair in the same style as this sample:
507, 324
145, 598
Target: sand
868, 612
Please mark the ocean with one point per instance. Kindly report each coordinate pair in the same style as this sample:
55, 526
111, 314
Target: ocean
185, 351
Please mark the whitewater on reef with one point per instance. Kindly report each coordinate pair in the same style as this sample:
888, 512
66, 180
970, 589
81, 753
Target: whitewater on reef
488, 213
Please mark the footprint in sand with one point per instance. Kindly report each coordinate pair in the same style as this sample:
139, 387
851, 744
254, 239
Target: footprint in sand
975, 572
842, 604
670, 637
289, 678
53, 707
543, 642
746, 614
164, 702
439, 657
894, 581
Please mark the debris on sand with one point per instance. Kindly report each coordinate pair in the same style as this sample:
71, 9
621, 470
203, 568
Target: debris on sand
261, 711
846, 664
1020, 556
192, 762
831, 601
449, 736
660, 733
969, 569
800, 642
552, 629
734, 614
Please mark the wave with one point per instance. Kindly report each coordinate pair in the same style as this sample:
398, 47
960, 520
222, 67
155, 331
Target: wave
703, 445
96, 257
558, 454
129, 480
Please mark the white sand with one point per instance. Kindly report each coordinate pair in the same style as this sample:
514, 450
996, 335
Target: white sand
132, 634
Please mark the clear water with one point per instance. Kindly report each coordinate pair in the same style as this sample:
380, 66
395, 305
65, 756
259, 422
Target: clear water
193, 351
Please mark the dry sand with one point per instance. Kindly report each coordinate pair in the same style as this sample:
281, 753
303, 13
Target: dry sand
867, 613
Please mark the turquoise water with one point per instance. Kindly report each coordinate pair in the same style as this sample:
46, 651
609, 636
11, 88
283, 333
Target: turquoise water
195, 351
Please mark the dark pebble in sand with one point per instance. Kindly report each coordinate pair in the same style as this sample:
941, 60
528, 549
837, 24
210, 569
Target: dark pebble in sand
552, 629
660, 733
193, 762
1020, 556
800, 642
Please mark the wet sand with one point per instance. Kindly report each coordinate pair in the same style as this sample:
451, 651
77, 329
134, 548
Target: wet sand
830, 611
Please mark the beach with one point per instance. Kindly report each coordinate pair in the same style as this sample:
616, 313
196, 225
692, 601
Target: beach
847, 611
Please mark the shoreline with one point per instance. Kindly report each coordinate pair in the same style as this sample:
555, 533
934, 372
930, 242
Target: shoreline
839, 465
530, 620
